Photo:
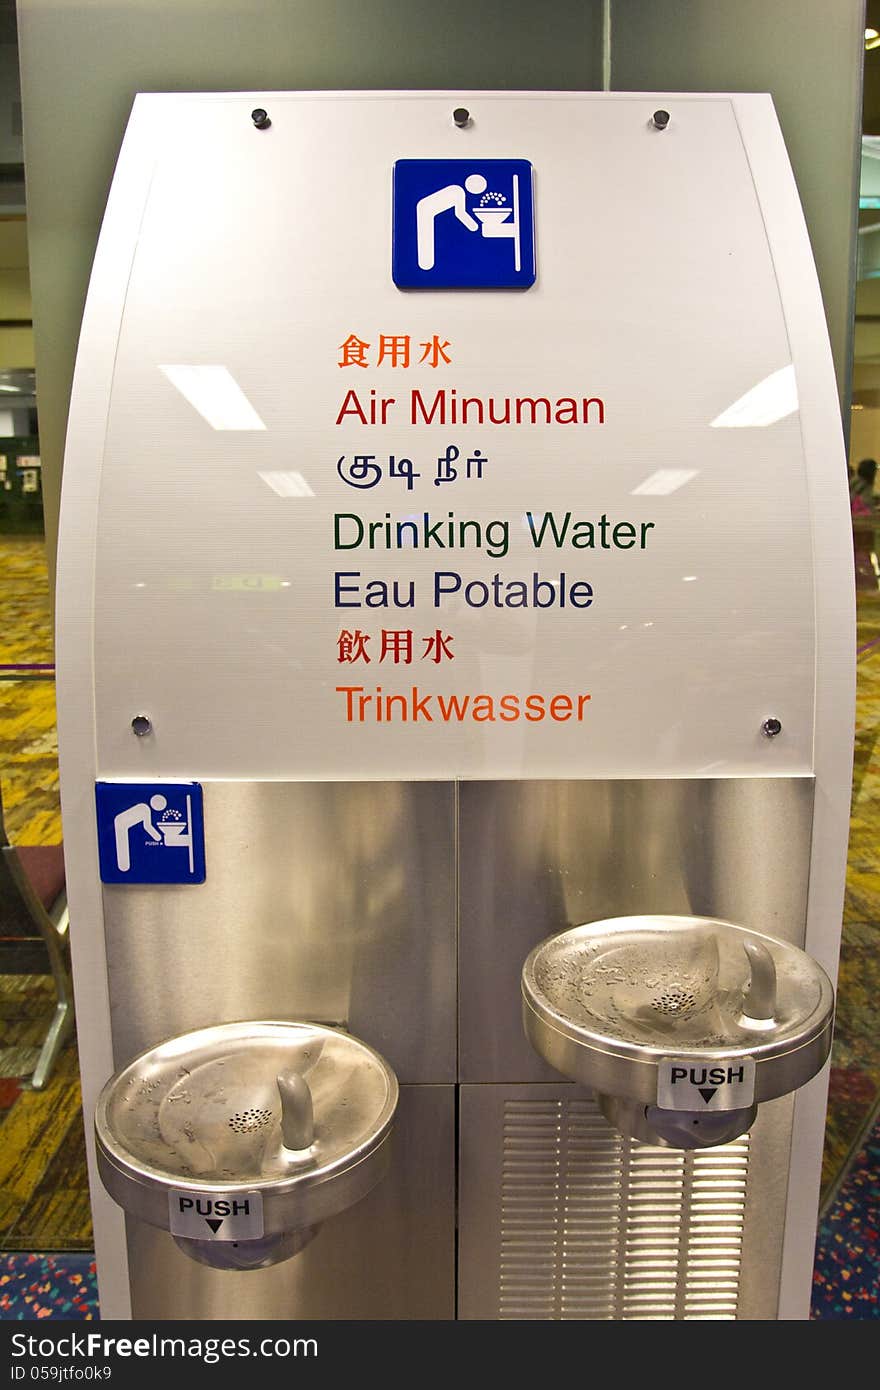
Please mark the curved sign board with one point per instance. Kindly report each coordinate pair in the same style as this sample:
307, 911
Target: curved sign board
431, 452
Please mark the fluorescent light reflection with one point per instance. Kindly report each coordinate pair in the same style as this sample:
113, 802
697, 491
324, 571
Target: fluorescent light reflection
771, 400
664, 481
287, 484
216, 395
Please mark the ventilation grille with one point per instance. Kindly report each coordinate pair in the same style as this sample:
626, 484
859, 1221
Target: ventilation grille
596, 1226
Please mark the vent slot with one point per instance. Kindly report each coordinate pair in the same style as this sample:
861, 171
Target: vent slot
595, 1226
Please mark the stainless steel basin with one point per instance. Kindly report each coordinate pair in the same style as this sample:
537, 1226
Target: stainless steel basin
242, 1139
682, 1025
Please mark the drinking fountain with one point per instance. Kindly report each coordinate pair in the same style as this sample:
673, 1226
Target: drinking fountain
681, 1025
311, 791
243, 1139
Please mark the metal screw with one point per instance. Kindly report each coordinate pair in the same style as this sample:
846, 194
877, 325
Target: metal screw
660, 119
141, 725
260, 118
771, 727
461, 116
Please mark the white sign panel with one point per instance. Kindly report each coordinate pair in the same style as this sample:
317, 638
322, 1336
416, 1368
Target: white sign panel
350, 529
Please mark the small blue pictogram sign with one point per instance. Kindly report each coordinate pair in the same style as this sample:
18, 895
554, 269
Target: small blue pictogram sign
150, 832
463, 224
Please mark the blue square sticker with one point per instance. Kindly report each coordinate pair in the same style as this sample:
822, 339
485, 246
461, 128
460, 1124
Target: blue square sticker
150, 832
463, 224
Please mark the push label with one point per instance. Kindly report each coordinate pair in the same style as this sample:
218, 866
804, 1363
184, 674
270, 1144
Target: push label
686, 1084
205, 1216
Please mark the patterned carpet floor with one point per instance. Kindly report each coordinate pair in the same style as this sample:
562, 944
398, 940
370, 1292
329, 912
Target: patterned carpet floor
846, 1276
854, 1093
33, 1287
44, 1203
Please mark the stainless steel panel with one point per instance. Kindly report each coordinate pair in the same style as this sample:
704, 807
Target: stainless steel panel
328, 901
538, 857
390, 1257
563, 1218
770, 1161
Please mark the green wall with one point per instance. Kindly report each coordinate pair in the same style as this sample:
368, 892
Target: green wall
809, 54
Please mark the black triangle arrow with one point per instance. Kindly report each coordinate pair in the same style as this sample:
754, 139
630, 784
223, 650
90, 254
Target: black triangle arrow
707, 1092
215, 1225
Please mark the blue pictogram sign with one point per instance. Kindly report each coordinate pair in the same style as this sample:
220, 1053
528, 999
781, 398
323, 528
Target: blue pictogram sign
150, 832
463, 224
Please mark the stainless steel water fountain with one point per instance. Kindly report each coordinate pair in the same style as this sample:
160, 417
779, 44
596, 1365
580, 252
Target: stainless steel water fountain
578, 674
279, 1126
636, 1006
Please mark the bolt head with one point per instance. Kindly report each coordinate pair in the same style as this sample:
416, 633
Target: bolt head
461, 116
141, 725
771, 727
661, 119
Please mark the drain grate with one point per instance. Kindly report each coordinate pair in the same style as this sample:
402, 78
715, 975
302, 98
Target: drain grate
676, 1001
246, 1121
